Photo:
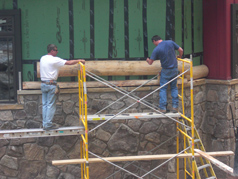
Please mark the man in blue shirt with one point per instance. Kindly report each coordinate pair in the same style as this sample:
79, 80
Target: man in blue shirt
165, 52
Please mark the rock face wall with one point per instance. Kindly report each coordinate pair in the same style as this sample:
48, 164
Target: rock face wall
31, 158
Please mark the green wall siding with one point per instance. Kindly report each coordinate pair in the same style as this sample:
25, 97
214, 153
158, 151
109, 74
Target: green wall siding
28, 72
118, 46
6, 4
44, 22
136, 42
101, 29
156, 21
47, 21
198, 26
187, 27
81, 11
178, 22
118, 50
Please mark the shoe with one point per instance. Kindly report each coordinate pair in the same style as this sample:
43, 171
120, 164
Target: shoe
162, 110
174, 110
52, 127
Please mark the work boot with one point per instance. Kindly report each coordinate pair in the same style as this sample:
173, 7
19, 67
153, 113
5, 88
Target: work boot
174, 110
162, 110
52, 127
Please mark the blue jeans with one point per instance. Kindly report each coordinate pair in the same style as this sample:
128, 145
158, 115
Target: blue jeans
48, 104
167, 75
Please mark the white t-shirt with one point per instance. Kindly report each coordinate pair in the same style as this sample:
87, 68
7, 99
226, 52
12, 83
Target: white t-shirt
49, 67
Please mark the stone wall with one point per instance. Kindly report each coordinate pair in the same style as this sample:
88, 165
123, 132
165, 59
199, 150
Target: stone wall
217, 127
31, 158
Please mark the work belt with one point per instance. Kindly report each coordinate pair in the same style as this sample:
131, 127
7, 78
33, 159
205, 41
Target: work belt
51, 82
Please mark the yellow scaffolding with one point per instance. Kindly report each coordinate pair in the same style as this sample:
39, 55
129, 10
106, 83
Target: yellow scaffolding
83, 120
184, 125
193, 139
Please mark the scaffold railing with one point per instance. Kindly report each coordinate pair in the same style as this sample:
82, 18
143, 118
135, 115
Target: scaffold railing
190, 135
183, 123
83, 120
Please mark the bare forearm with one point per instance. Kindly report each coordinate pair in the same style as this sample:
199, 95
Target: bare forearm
72, 62
180, 50
149, 61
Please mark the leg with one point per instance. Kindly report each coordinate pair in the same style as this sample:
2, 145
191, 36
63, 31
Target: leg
174, 93
44, 102
174, 90
51, 106
163, 91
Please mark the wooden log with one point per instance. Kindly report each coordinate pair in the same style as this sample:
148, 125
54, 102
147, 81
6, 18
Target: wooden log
92, 84
114, 68
95, 84
137, 158
111, 68
5, 107
216, 162
200, 71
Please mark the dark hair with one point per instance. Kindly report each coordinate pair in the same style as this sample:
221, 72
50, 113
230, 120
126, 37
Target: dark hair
155, 38
51, 47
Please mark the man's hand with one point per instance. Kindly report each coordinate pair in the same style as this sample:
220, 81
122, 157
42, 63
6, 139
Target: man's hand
82, 61
180, 50
72, 62
149, 61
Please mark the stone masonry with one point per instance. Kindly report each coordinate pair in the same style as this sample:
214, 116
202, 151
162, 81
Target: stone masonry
214, 106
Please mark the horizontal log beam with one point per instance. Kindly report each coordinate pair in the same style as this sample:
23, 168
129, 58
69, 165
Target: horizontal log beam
216, 162
111, 68
95, 84
115, 68
5, 107
137, 158
92, 84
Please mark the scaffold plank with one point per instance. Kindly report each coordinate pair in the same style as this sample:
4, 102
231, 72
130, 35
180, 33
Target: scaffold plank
29, 133
131, 116
216, 162
137, 158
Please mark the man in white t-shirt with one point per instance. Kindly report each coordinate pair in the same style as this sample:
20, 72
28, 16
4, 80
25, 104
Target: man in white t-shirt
49, 69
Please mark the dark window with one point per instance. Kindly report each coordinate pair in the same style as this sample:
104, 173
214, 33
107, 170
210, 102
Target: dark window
10, 54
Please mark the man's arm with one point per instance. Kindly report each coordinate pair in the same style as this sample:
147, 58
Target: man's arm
72, 62
180, 50
149, 61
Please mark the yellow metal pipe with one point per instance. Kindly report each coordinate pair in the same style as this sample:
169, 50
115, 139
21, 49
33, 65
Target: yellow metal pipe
177, 150
186, 61
188, 173
192, 117
81, 156
185, 161
183, 116
184, 134
182, 91
83, 122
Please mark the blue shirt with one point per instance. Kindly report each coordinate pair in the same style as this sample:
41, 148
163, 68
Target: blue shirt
165, 52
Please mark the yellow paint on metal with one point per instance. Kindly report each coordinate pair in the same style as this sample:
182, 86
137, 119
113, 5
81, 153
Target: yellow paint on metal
191, 165
83, 120
98, 119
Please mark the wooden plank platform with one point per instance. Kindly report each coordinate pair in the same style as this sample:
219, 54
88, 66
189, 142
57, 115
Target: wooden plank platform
132, 116
216, 162
29, 133
138, 158
5, 107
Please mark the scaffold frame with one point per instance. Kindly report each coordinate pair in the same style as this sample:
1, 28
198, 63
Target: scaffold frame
155, 109
181, 126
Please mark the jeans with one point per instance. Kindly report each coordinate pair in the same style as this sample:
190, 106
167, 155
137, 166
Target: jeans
48, 104
167, 75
